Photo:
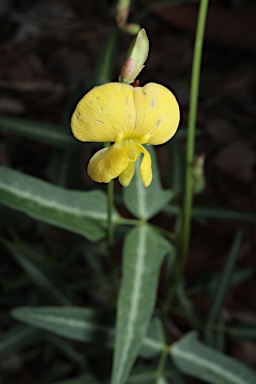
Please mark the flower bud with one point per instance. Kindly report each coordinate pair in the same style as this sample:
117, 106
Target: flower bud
137, 55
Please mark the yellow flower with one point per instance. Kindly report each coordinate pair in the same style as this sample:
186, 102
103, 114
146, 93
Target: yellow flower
128, 117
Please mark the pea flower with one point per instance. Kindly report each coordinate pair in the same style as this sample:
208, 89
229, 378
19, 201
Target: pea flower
129, 117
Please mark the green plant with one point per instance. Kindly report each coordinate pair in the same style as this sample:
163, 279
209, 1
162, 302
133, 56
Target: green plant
90, 264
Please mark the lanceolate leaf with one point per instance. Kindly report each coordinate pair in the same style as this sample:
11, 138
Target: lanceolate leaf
243, 332
143, 253
84, 213
145, 202
103, 72
195, 359
76, 323
225, 277
50, 134
40, 275
18, 337
206, 212
82, 324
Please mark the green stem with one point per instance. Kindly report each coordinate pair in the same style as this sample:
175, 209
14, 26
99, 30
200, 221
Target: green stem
186, 227
184, 236
123, 8
160, 369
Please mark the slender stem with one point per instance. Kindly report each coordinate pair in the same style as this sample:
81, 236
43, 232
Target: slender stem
185, 220
186, 227
123, 8
160, 369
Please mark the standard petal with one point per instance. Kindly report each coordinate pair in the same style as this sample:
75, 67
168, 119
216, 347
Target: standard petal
108, 163
145, 166
157, 114
106, 113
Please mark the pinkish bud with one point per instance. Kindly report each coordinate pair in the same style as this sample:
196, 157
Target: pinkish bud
127, 71
137, 55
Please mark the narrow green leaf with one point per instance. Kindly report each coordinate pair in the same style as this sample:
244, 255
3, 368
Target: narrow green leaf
79, 324
214, 213
224, 280
58, 167
39, 274
243, 332
145, 202
220, 337
84, 213
195, 359
50, 134
55, 371
65, 347
222, 213
209, 283
103, 72
18, 337
142, 256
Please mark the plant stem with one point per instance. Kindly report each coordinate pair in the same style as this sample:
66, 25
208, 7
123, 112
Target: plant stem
186, 226
184, 220
160, 369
